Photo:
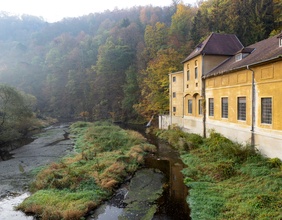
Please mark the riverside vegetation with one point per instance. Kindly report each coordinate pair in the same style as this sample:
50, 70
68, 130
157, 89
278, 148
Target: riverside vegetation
227, 180
105, 155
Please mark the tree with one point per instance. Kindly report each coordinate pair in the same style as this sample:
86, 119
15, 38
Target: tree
155, 38
113, 61
15, 113
131, 93
154, 83
180, 29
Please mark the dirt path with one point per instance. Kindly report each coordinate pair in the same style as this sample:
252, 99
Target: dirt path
49, 146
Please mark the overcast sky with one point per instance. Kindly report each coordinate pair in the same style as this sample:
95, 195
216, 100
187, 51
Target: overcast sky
55, 10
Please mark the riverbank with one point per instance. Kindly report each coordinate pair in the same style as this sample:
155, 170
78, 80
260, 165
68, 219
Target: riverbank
105, 156
16, 172
227, 180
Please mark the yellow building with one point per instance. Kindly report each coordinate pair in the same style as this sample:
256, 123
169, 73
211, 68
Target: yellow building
234, 90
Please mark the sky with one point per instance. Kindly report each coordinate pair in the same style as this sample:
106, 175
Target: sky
55, 10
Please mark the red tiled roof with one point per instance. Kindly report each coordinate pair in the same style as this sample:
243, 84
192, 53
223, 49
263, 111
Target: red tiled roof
260, 52
217, 44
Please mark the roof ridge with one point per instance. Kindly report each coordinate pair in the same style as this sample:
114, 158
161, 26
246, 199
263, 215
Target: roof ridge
207, 40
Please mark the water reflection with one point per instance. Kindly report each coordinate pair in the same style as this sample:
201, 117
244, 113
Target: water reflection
106, 212
173, 205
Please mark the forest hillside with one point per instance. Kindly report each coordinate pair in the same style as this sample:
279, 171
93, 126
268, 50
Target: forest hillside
114, 65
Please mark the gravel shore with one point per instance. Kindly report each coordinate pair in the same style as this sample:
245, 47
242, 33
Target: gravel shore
49, 146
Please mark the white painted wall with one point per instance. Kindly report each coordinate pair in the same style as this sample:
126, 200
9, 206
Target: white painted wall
268, 142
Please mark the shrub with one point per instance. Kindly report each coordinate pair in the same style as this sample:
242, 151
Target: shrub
275, 163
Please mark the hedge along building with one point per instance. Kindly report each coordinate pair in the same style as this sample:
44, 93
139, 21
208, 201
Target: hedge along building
235, 90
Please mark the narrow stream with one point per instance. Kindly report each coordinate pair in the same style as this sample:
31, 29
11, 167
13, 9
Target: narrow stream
172, 205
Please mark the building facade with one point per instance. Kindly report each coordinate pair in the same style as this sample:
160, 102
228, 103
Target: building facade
234, 90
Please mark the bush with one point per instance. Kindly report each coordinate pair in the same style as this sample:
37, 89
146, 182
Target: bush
179, 139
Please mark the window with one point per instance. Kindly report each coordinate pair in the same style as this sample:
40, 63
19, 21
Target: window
174, 79
196, 69
266, 110
174, 109
211, 107
188, 72
174, 94
238, 57
190, 101
242, 108
200, 107
280, 41
224, 107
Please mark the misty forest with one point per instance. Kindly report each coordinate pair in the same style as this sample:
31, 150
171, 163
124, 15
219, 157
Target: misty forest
112, 65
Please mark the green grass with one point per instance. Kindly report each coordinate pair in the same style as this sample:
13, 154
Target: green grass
105, 156
227, 180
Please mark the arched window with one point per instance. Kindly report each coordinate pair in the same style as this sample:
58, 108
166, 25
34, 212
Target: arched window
196, 69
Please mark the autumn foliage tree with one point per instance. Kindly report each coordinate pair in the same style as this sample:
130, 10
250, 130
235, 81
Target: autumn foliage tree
115, 64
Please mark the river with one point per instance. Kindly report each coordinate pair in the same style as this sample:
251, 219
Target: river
50, 146
173, 204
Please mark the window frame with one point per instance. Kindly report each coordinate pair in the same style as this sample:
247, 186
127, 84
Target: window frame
265, 117
188, 75
241, 108
238, 57
196, 69
211, 107
200, 106
190, 106
224, 107
196, 72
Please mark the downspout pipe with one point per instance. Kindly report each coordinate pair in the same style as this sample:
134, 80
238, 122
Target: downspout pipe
204, 98
253, 116
170, 97
183, 95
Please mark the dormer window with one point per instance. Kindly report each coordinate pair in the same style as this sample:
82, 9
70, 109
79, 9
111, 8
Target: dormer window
238, 57
280, 41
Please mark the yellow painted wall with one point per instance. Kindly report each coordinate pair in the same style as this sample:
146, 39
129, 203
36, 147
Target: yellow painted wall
177, 88
193, 85
210, 61
269, 84
231, 85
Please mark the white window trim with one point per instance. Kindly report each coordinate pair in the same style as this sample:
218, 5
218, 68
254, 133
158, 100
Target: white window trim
238, 57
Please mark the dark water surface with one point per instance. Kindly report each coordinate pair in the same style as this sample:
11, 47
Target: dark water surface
172, 205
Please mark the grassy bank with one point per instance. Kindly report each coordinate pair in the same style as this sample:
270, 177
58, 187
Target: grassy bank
227, 180
104, 156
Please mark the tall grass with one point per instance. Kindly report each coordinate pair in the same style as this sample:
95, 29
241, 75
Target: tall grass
227, 180
105, 156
